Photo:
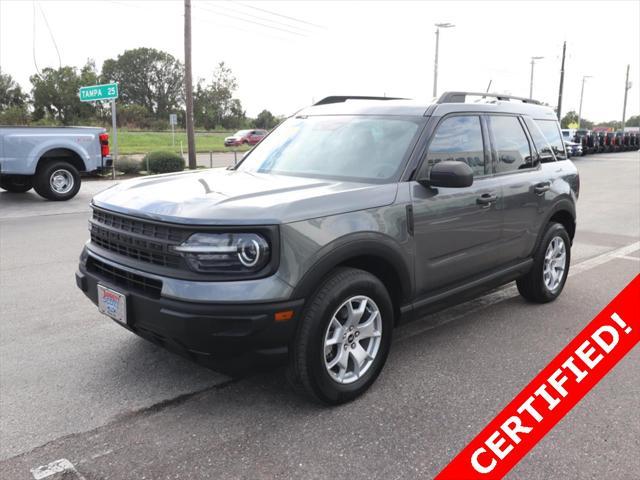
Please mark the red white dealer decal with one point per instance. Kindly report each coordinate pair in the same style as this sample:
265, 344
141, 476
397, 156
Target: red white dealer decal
555, 391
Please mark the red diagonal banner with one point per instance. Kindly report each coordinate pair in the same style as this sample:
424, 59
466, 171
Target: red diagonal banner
553, 392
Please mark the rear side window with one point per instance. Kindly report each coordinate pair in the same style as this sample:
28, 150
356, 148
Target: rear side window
510, 143
551, 132
458, 138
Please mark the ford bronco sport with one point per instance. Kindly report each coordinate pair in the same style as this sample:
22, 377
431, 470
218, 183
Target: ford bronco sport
351, 217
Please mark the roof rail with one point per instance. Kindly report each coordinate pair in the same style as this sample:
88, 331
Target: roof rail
340, 99
461, 97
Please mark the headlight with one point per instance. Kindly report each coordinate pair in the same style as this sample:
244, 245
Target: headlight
225, 252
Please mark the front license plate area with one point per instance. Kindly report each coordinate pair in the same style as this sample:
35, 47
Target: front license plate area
112, 304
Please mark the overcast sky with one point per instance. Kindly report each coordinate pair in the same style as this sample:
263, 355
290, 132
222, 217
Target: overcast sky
286, 54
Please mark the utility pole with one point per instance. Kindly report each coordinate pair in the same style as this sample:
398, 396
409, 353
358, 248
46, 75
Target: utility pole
533, 62
564, 51
581, 97
435, 63
627, 86
188, 85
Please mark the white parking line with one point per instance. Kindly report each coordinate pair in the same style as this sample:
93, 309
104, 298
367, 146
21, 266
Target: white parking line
453, 313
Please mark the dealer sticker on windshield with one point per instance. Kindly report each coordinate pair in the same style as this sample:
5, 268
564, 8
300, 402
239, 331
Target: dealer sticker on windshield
113, 304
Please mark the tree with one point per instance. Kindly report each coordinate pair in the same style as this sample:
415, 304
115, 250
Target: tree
55, 94
633, 121
235, 118
214, 103
266, 120
147, 77
10, 93
13, 103
570, 120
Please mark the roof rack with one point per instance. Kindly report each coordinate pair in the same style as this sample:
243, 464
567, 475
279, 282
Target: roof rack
340, 99
461, 97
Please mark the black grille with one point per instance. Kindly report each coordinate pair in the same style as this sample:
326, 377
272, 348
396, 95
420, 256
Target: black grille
143, 241
125, 279
138, 227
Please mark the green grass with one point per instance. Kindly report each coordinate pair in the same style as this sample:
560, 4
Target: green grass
145, 142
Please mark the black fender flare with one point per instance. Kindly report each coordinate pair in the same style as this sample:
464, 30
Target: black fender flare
564, 204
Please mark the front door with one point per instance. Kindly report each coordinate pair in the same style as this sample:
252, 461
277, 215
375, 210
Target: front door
456, 229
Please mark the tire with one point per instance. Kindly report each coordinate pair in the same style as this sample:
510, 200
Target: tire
537, 285
57, 180
16, 184
308, 369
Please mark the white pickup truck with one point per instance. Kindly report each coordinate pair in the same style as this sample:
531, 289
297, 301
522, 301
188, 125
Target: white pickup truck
51, 159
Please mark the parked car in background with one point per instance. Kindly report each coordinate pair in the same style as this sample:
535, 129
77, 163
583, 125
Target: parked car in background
352, 217
569, 134
51, 159
574, 149
245, 137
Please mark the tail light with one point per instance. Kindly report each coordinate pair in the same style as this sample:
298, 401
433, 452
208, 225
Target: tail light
104, 144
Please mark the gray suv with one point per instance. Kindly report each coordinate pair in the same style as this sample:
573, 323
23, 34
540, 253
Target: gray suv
353, 216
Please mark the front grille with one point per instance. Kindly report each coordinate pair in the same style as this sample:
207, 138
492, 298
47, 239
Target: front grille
123, 278
137, 239
139, 227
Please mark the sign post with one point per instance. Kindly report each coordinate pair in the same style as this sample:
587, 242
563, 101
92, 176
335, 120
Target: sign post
107, 91
173, 120
114, 129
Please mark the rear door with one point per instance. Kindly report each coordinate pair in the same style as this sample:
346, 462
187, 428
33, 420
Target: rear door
517, 166
456, 229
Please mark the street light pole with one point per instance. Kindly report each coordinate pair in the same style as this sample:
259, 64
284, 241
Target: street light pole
627, 86
564, 51
533, 62
435, 63
581, 97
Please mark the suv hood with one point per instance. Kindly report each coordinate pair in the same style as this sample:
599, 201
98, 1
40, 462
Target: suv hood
231, 197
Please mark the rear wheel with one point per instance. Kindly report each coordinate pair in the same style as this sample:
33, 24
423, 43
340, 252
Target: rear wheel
16, 184
57, 180
547, 277
343, 338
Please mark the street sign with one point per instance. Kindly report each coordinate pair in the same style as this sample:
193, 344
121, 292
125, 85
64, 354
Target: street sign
173, 121
108, 91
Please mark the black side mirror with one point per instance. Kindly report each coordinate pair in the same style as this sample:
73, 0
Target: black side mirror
451, 174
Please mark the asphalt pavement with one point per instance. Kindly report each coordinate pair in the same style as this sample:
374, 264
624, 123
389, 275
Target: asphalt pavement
76, 386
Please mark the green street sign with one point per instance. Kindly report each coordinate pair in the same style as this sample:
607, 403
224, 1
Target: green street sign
107, 91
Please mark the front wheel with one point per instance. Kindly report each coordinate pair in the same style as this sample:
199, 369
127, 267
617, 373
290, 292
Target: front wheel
343, 338
57, 181
547, 277
16, 184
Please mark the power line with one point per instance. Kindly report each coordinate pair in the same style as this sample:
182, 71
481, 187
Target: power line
249, 21
34, 39
255, 17
208, 20
280, 15
51, 34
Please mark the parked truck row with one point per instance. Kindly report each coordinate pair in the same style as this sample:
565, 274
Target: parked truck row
51, 160
583, 142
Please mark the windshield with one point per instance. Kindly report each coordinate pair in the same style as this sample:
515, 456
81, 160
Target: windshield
356, 148
241, 133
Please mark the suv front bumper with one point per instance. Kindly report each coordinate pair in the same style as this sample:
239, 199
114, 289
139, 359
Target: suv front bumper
216, 330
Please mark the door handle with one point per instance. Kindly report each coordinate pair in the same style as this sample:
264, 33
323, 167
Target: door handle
486, 199
542, 188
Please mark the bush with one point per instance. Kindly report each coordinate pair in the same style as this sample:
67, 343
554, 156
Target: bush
14, 116
128, 165
164, 162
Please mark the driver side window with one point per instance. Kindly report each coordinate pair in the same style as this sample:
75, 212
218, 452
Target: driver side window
458, 138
